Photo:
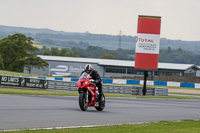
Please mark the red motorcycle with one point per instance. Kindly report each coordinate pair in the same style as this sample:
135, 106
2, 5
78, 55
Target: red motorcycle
89, 94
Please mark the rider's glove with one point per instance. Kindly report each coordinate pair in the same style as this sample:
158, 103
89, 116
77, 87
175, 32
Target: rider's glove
93, 81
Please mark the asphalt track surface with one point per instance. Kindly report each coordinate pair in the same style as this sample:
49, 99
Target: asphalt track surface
27, 112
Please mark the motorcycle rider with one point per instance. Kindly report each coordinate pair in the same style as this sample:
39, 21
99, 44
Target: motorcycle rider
95, 76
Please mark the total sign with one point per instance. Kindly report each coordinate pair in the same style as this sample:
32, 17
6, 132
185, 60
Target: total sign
148, 42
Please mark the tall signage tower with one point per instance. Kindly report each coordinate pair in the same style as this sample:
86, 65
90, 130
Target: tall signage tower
147, 45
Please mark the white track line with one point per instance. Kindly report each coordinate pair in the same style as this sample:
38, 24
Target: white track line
50, 128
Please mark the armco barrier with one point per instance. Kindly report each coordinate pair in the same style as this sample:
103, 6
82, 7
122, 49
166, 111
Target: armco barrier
114, 89
138, 91
62, 85
134, 90
161, 91
117, 89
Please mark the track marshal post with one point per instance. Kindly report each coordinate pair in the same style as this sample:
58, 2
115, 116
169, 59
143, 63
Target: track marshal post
147, 45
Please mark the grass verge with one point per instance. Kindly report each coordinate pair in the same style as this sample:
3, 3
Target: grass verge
184, 93
72, 93
186, 126
36, 92
3, 72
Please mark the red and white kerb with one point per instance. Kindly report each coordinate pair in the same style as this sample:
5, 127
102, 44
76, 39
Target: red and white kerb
148, 42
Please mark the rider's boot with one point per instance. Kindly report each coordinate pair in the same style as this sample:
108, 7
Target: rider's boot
100, 97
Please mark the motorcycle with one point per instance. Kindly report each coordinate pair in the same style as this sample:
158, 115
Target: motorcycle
89, 94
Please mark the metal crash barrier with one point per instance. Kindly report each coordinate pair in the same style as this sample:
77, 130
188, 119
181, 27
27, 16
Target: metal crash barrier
114, 89
134, 90
61, 85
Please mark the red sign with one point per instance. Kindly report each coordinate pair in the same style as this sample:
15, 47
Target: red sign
148, 42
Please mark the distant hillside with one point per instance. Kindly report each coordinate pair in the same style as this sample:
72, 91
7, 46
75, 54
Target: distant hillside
61, 39
11, 29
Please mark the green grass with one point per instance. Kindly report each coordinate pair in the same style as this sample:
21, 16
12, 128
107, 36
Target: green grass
186, 126
36, 92
184, 93
10, 73
75, 93
3, 72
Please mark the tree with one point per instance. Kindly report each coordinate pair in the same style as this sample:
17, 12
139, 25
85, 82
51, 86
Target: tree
35, 62
95, 51
1, 63
63, 52
16, 50
120, 54
80, 51
55, 51
45, 52
45, 48
107, 56
169, 50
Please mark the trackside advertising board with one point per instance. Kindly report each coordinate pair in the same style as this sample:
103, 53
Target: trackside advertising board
23, 82
148, 42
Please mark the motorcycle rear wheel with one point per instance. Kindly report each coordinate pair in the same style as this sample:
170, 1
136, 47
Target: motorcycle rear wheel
101, 104
82, 101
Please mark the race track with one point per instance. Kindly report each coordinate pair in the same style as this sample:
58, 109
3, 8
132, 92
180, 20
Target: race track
25, 112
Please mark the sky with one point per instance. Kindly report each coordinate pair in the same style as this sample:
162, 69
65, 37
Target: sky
180, 19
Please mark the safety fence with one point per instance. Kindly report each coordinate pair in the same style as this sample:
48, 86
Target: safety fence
136, 82
50, 84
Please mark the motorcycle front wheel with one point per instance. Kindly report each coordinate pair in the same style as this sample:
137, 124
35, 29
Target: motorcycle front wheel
82, 101
102, 103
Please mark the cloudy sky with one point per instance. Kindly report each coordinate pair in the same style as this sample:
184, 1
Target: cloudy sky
180, 18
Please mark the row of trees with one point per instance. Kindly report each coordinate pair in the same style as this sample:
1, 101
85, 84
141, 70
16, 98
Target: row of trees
83, 40
17, 53
69, 44
57, 52
166, 55
96, 52
178, 56
91, 52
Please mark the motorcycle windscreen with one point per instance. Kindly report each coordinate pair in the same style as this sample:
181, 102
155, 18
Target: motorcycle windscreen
84, 75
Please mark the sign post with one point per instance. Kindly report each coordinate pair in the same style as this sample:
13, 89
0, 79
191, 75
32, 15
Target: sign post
147, 45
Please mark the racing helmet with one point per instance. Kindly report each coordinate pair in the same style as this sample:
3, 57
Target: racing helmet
88, 68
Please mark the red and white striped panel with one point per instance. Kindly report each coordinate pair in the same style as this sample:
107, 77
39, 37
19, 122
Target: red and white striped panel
148, 42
